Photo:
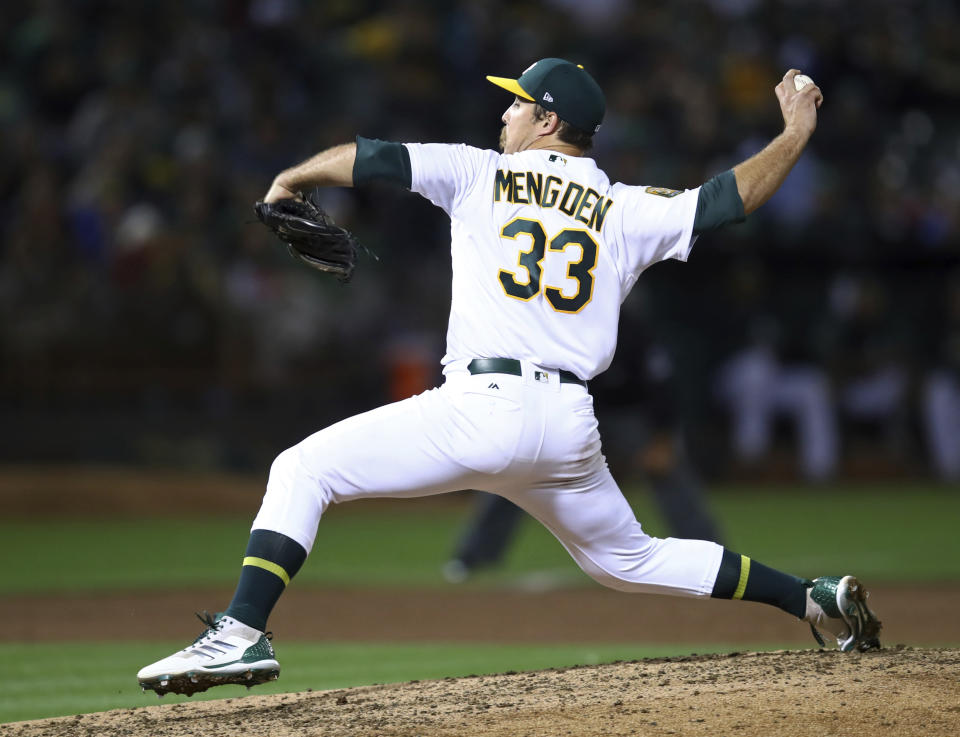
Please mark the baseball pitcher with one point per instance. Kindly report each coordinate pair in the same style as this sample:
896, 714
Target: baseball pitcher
544, 250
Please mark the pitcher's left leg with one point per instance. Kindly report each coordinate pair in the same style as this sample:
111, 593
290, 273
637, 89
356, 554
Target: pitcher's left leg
400, 450
403, 449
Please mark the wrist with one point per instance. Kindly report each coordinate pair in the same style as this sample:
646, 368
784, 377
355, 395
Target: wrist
285, 181
798, 133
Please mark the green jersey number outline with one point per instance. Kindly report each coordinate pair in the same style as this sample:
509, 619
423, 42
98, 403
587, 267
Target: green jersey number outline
531, 259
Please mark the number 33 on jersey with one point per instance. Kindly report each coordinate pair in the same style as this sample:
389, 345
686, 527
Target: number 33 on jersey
547, 245
531, 260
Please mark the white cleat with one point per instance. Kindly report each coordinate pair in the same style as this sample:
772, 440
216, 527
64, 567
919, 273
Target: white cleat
838, 605
228, 651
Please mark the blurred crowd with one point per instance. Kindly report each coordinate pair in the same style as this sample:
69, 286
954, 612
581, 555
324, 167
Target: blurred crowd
144, 311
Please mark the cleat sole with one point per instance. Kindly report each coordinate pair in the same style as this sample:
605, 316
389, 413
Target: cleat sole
187, 684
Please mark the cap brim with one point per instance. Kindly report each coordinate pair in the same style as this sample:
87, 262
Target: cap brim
510, 85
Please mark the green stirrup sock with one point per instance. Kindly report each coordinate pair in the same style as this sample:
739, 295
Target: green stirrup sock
270, 562
740, 577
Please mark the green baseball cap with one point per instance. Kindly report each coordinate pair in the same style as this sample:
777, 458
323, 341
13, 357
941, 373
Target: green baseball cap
561, 87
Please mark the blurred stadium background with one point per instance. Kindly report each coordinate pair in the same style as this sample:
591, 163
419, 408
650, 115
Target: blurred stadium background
146, 322
149, 325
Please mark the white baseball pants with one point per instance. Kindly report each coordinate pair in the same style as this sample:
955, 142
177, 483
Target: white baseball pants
528, 438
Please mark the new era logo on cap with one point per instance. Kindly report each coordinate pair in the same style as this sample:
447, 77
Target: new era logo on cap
561, 87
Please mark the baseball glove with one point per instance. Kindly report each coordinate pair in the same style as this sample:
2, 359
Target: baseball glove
310, 234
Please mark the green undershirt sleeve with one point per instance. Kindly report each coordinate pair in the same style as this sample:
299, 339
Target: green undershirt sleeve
718, 204
381, 161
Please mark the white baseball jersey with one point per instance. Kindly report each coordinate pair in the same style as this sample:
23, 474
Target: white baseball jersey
545, 250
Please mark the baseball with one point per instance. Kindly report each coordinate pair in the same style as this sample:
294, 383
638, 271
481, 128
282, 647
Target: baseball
801, 81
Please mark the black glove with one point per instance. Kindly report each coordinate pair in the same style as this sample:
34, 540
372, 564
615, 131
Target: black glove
310, 234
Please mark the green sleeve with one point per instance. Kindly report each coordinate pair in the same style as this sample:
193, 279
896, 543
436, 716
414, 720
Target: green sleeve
381, 161
718, 204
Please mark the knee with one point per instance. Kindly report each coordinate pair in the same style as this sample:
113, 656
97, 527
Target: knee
284, 466
291, 504
620, 565
605, 577
297, 473
287, 474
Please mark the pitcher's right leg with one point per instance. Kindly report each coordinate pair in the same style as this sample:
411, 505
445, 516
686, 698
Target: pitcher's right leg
596, 525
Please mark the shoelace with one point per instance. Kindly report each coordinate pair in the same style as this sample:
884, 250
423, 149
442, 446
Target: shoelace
214, 625
817, 636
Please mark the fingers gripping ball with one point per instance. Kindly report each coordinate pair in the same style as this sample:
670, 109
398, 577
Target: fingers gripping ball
801, 81
310, 234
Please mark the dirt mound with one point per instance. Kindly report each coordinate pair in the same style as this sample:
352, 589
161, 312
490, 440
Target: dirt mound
893, 691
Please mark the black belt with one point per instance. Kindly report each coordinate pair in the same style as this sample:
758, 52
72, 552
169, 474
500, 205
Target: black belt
512, 366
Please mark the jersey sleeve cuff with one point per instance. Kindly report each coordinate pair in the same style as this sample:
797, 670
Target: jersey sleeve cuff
718, 204
381, 161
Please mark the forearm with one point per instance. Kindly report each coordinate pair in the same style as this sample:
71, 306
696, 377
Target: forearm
330, 168
351, 164
761, 175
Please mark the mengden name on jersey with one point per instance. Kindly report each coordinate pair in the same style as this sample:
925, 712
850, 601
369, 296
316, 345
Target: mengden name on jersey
532, 188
